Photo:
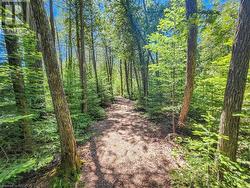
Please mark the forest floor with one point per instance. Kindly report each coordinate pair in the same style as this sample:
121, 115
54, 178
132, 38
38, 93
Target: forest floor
127, 150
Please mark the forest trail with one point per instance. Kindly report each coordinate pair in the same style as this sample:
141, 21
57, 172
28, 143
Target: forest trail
127, 150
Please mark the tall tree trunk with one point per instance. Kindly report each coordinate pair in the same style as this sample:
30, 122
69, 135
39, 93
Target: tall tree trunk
131, 77
52, 23
236, 82
111, 71
83, 66
60, 53
191, 9
137, 79
70, 49
78, 45
121, 78
93, 52
127, 78
109, 67
11, 41
69, 158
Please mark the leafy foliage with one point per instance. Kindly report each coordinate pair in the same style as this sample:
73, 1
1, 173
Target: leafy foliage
204, 162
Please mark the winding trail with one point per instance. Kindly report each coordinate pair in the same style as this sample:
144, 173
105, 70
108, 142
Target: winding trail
128, 151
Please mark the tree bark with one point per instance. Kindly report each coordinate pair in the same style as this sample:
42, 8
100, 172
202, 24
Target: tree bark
127, 78
137, 79
191, 10
83, 66
131, 77
52, 23
236, 82
93, 53
60, 53
121, 78
69, 158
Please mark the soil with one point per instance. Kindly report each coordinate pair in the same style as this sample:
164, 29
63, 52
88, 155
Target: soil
127, 150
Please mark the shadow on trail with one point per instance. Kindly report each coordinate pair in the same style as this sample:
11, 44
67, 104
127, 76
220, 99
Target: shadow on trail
127, 151
101, 182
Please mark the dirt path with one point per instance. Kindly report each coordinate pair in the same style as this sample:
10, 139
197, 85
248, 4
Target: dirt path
127, 151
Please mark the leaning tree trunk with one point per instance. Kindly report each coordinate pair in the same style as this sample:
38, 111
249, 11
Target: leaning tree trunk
69, 158
191, 9
236, 82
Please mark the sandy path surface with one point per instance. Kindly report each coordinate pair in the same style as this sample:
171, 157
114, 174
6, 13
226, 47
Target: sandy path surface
127, 151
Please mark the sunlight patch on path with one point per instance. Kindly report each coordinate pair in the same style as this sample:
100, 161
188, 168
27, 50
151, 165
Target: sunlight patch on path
127, 151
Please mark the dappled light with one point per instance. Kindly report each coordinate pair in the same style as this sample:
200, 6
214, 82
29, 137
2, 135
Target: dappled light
127, 151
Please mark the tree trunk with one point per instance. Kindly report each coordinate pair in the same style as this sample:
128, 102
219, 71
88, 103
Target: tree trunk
109, 67
60, 54
83, 66
70, 51
93, 52
52, 23
127, 78
131, 77
121, 78
236, 82
69, 158
137, 80
191, 9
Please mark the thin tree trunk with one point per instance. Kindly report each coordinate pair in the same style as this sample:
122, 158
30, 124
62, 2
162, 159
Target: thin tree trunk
121, 78
236, 83
191, 9
78, 45
137, 80
70, 47
111, 72
93, 52
60, 53
52, 23
109, 67
83, 66
127, 78
70, 163
131, 77
173, 100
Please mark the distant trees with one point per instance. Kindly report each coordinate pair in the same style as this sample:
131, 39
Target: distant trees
236, 82
69, 157
191, 11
